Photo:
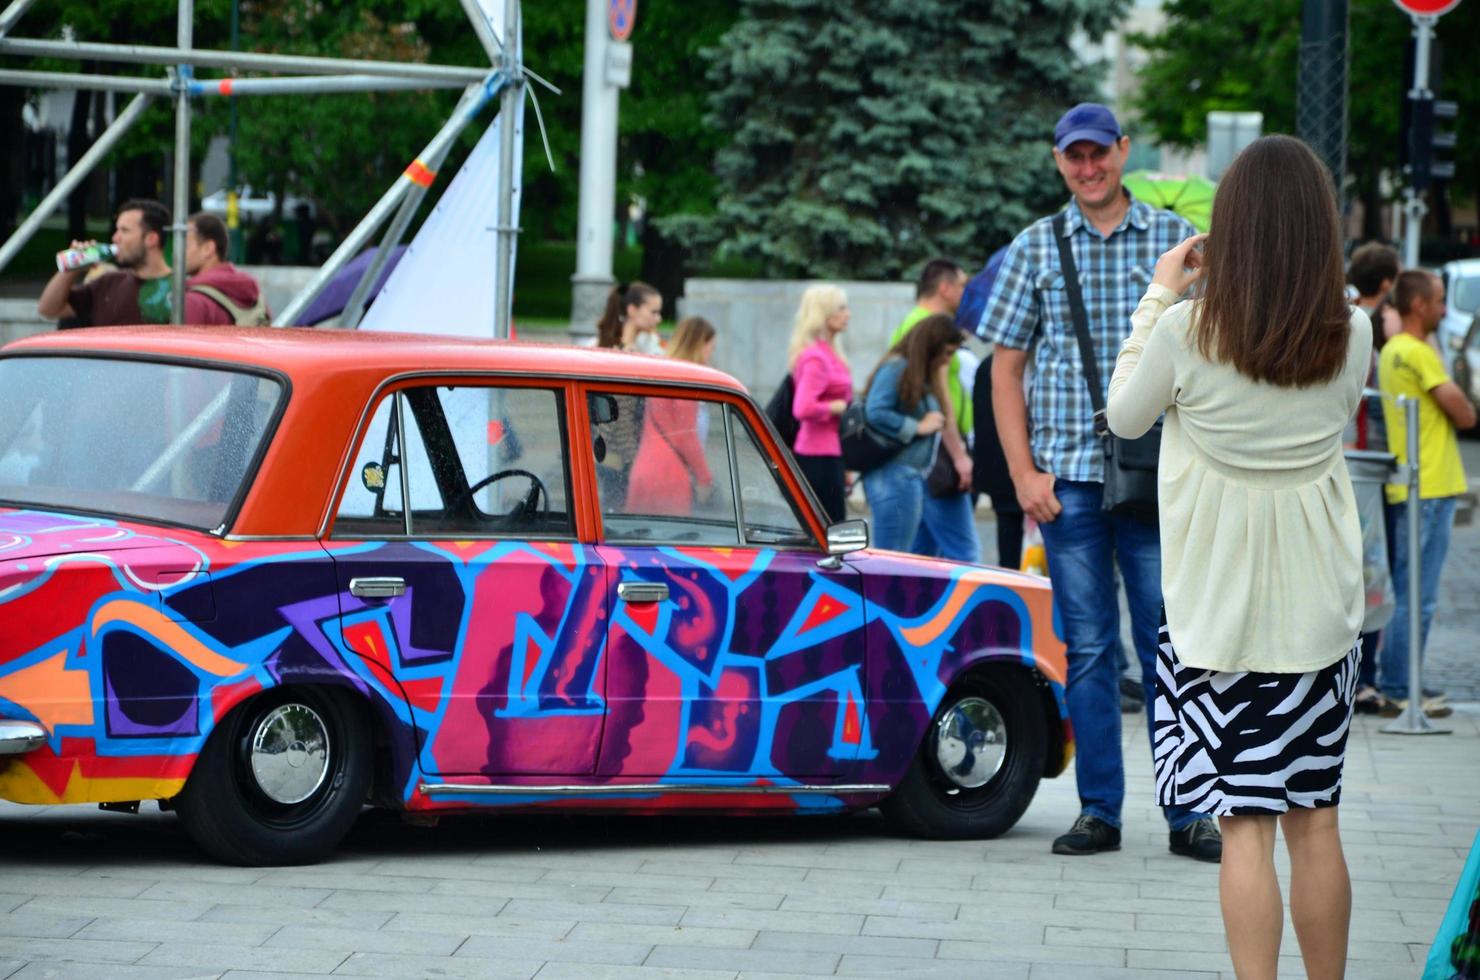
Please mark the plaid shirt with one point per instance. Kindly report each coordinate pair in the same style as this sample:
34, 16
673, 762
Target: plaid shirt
1029, 310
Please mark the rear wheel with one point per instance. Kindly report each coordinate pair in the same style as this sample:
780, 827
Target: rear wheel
281, 779
979, 763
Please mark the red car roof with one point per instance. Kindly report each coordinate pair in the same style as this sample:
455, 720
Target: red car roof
334, 374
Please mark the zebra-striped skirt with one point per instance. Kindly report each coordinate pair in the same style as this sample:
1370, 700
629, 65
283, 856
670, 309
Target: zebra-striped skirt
1250, 743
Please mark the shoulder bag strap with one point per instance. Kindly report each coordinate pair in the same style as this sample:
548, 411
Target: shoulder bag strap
1081, 321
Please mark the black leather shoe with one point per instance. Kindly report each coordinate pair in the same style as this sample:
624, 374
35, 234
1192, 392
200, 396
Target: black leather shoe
1199, 840
1089, 835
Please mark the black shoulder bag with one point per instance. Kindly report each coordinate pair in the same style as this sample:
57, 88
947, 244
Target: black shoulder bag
1130, 464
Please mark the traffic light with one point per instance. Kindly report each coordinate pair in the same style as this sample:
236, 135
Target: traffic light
1429, 147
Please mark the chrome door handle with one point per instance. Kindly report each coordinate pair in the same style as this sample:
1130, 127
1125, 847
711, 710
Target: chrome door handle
388, 587
642, 591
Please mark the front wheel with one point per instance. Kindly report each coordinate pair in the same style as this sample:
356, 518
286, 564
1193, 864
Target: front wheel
979, 763
281, 779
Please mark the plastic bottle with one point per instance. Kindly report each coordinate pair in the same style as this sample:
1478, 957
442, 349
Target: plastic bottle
81, 258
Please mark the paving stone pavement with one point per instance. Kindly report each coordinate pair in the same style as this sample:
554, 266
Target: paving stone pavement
87, 894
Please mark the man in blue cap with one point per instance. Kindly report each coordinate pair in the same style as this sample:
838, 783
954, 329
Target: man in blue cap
1057, 463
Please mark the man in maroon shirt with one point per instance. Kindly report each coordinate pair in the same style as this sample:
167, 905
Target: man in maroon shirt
137, 292
217, 292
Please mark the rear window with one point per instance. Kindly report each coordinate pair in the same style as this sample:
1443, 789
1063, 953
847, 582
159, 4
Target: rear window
163, 442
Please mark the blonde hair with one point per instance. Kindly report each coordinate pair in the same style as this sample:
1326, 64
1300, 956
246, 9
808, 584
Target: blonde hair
819, 302
689, 338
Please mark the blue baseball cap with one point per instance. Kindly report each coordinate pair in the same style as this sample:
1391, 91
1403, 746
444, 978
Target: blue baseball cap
1086, 121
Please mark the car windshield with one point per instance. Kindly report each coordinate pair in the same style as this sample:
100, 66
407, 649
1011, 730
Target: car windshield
1464, 294
163, 442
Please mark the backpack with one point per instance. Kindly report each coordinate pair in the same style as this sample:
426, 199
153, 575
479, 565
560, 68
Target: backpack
243, 316
978, 290
778, 410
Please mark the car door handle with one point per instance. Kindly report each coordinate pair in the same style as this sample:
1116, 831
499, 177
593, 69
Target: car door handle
388, 587
642, 591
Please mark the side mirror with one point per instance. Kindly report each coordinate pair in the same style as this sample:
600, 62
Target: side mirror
603, 409
847, 536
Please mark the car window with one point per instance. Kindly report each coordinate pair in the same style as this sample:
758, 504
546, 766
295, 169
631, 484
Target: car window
166, 442
480, 460
1464, 294
768, 514
663, 470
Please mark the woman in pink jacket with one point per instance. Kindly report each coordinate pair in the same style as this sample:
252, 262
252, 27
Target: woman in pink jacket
824, 386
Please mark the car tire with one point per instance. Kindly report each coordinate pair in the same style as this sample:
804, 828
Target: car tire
281, 779
980, 761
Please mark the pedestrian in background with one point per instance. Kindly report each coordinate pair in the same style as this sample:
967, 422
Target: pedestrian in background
824, 387
1058, 468
137, 292
903, 401
1261, 548
1373, 269
670, 473
630, 320
217, 292
947, 525
1410, 367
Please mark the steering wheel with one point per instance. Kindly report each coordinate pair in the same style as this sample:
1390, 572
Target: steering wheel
528, 507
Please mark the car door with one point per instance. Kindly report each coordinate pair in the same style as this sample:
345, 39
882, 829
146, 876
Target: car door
462, 583
735, 647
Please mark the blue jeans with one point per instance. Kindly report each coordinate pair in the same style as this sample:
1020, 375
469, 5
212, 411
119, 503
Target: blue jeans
1084, 544
1435, 519
948, 529
896, 500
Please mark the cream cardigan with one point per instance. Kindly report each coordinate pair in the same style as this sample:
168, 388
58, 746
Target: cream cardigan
1261, 550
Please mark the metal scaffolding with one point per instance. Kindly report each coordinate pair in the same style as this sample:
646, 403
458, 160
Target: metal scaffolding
504, 79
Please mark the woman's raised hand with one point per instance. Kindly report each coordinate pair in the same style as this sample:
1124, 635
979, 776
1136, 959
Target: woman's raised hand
1180, 266
930, 423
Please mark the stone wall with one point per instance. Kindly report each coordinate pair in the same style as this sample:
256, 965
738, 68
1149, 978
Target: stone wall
754, 319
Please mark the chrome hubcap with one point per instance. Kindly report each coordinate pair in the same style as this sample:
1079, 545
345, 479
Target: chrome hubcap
970, 742
290, 753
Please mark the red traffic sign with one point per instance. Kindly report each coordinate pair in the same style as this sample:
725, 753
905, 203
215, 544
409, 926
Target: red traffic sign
1419, 8
622, 14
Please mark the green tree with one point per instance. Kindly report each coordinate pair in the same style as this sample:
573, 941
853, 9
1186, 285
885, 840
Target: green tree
1244, 55
868, 135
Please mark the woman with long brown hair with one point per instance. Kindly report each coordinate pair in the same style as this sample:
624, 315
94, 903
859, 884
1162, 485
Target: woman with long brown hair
630, 320
903, 402
1261, 548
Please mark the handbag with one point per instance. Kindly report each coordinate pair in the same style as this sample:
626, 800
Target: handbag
778, 410
942, 480
864, 447
1130, 464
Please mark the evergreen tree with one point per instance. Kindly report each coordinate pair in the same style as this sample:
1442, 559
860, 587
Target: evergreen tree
869, 135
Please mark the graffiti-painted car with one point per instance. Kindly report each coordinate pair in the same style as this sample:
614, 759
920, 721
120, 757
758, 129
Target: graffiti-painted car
268, 577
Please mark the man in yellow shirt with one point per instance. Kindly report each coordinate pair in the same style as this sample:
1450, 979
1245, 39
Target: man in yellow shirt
1410, 367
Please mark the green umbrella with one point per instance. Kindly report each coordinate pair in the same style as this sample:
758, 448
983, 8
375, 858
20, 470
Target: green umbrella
1191, 197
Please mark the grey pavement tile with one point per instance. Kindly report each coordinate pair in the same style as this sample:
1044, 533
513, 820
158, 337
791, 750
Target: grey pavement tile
615, 859
343, 881
656, 915
442, 868
966, 897
9, 967
123, 908
260, 958
815, 942
1148, 906
44, 925
909, 966
847, 879
32, 883
259, 975
169, 930
940, 911
1209, 960
80, 950
834, 922
728, 900
999, 951
717, 869
557, 950
804, 887
358, 901
223, 874
912, 928
569, 891
254, 894
365, 940
480, 925
104, 971
592, 971
989, 914
1130, 939
11, 902
469, 967
679, 935
1078, 971
619, 879
772, 961
833, 862
338, 918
